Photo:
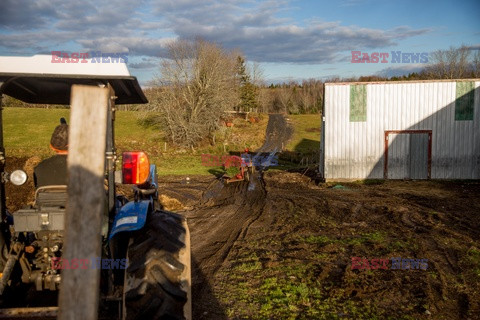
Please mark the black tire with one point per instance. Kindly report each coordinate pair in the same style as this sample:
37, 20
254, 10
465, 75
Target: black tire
157, 280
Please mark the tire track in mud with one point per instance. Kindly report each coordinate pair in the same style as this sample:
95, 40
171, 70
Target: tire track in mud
225, 215
278, 133
231, 209
219, 220
216, 225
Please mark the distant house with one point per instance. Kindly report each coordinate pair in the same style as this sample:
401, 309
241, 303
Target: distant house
401, 130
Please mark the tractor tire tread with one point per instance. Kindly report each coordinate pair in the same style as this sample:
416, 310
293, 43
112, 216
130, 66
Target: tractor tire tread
153, 276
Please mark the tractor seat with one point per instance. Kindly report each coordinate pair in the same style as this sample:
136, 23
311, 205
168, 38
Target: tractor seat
51, 196
51, 172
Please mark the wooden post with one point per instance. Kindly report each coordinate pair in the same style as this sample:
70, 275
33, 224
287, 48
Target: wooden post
110, 153
79, 289
3, 208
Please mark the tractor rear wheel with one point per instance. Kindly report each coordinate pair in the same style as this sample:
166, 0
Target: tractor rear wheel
157, 279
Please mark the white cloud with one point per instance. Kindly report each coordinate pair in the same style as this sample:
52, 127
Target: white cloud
140, 27
402, 70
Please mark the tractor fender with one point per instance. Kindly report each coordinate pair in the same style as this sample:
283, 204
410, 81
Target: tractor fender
130, 217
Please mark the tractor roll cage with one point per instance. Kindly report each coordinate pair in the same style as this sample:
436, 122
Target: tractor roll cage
56, 89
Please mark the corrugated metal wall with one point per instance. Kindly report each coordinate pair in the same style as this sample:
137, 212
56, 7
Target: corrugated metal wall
354, 149
408, 156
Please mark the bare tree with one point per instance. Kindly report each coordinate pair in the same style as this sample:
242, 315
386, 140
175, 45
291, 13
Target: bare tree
284, 95
476, 64
257, 74
311, 95
292, 97
196, 84
266, 99
452, 63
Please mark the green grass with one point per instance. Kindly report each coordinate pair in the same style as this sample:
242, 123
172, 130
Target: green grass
320, 240
472, 260
27, 133
131, 135
183, 164
274, 281
306, 135
302, 149
290, 290
248, 267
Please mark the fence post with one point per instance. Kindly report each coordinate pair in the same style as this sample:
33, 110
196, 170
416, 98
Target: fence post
79, 288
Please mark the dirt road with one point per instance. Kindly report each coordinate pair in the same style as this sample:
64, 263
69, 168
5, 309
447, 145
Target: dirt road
224, 216
278, 133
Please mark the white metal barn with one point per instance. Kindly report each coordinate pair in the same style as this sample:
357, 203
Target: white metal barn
401, 130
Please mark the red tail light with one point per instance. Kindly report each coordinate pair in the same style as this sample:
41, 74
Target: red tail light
135, 167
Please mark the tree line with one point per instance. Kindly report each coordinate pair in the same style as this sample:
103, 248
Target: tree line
200, 80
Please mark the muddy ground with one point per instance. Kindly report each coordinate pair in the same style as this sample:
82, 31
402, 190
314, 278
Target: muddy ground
281, 246
284, 250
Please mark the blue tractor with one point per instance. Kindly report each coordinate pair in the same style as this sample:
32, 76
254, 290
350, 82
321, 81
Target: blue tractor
145, 257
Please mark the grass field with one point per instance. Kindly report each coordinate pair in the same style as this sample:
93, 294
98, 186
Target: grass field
306, 134
27, 133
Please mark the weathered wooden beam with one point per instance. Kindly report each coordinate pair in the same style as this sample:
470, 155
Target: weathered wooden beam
3, 208
79, 289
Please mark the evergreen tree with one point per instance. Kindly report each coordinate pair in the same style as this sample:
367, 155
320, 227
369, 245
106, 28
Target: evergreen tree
248, 91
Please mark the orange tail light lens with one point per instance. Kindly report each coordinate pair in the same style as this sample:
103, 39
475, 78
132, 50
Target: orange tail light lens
135, 167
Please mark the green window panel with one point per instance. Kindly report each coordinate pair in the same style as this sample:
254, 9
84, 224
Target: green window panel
464, 100
358, 103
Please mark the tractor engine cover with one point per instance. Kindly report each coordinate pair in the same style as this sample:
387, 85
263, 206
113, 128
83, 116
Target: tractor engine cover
34, 220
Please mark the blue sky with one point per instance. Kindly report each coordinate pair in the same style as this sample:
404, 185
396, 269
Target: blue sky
291, 40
